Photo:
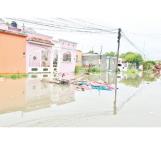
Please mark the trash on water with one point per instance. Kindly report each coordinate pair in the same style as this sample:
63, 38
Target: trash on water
85, 85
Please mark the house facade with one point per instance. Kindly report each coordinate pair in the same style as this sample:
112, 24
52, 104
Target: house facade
26, 51
12, 52
38, 53
64, 57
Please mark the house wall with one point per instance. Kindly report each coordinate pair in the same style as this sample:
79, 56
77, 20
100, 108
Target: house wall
12, 53
93, 59
66, 67
35, 50
78, 58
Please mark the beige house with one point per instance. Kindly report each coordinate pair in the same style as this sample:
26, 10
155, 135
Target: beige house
78, 58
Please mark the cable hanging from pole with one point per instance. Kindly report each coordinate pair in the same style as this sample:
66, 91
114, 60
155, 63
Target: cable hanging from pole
131, 43
66, 26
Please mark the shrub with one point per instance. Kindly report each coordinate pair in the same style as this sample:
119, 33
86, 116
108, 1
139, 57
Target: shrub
148, 65
79, 69
94, 70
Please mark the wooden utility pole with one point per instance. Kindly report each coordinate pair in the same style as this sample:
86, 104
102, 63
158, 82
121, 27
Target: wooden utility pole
117, 59
118, 48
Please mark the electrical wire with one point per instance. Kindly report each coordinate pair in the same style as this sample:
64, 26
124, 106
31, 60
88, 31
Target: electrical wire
132, 43
63, 26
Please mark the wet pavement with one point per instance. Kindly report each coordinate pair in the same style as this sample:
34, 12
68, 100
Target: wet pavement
29, 102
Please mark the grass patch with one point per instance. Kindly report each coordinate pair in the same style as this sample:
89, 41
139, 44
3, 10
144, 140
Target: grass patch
79, 70
132, 71
94, 70
13, 76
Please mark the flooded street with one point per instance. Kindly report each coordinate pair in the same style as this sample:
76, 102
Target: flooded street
30, 102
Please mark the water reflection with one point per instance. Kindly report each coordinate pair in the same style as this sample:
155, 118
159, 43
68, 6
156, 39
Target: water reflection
12, 94
132, 80
32, 95
135, 80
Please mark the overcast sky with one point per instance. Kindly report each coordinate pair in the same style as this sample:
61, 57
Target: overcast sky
139, 19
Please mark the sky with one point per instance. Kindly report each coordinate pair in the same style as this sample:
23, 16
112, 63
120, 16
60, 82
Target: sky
140, 20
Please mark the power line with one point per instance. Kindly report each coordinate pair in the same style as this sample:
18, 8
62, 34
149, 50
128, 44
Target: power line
60, 26
132, 43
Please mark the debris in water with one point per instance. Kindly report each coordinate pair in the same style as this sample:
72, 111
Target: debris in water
85, 85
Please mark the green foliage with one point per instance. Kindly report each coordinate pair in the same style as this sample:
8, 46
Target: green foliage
149, 77
132, 57
13, 76
94, 70
78, 69
133, 81
132, 71
81, 69
148, 65
111, 54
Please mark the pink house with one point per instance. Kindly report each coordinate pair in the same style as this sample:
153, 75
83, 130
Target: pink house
43, 55
38, 53
66, 57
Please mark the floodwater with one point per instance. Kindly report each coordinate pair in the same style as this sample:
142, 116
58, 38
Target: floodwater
29, 102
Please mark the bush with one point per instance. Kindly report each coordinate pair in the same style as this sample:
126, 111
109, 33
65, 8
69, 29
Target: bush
148, 65
94, 70
79, 69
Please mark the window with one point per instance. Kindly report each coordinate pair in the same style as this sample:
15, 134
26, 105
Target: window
45, 59
45, 69
34, 69
67, 57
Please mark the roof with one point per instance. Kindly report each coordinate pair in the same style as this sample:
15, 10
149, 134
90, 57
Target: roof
13, 33
40, 40
67, 41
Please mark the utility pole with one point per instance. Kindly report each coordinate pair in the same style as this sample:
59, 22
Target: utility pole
118, 48
117, 59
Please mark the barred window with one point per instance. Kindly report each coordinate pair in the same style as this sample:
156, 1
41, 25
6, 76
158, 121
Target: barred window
67, 57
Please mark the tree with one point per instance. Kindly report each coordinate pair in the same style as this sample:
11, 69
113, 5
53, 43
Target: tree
111, 54
91, 51
132, 57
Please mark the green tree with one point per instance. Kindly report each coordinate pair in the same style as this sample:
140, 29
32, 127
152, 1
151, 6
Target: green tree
111, 54
132, 57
